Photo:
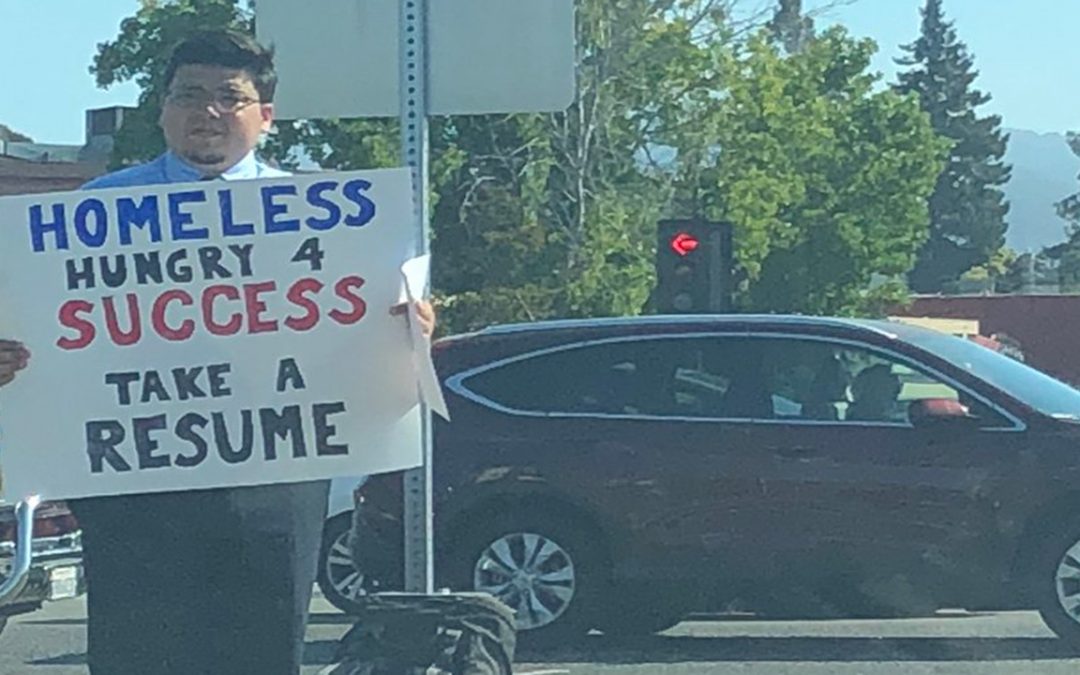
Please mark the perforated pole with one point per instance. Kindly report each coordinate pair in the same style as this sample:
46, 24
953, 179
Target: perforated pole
419, 540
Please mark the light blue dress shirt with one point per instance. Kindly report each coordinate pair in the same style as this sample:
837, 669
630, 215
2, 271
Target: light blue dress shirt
169, 168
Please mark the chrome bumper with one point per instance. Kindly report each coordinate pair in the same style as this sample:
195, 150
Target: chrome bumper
13, 585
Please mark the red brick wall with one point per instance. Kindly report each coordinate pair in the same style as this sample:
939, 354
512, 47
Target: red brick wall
20, 177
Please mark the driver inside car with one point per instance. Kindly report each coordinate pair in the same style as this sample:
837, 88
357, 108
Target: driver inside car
875, 393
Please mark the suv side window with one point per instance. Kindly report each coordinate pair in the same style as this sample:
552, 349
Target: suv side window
689, 377
715, 378
824, 381
607, 378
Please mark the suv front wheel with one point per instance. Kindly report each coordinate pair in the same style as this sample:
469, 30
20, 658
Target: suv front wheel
547, 569
342, 583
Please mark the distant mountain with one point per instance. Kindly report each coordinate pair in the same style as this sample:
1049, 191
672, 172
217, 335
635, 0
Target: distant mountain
1044, 172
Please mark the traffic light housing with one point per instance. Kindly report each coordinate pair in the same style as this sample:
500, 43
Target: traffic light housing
693, 267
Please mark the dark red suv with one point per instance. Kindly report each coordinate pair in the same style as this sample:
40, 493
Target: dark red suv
616, 474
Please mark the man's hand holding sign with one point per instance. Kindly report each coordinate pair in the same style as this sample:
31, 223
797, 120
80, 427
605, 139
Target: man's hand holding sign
424, 314
212, 339
13, 358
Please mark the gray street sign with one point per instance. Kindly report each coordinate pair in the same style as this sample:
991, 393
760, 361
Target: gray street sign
340, 58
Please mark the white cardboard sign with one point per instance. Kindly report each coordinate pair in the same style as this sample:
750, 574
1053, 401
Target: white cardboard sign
204, 335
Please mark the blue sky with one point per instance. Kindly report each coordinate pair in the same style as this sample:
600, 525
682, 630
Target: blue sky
1023, 50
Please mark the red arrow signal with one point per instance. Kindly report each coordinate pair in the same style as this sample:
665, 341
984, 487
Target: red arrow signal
684, 243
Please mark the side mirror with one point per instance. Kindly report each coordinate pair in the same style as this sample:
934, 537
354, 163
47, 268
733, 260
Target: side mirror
935, 412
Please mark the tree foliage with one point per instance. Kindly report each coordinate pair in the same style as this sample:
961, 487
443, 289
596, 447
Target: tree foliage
824, 178
553, 215
968, 207
790, 27
1029, 273
1065, 257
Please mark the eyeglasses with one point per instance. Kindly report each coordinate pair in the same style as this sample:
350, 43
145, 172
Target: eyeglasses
225, 104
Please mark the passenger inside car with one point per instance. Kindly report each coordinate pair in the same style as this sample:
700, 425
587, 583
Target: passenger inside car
828, 388
875, 396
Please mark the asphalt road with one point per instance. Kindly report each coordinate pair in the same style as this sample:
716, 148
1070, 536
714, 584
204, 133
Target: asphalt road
52, 642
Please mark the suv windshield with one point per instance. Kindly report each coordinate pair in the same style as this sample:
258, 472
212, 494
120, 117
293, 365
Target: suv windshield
1042, 392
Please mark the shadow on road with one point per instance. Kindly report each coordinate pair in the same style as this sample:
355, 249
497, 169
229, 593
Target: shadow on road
672, 649
319, 652
316, 653
317, 619
662, 649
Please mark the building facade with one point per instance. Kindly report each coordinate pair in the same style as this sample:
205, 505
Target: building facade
29, 168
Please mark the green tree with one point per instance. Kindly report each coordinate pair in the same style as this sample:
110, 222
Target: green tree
968, 207
1068, 268
824, 177
535, 215
578, 193
9, 134
1031, 272
993, 276
1065, 257
539, 216
790, 27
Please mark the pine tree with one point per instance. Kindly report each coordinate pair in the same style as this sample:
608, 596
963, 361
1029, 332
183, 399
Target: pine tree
790, 27
1066, 255
968, 207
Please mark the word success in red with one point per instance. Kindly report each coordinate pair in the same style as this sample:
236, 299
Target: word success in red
221, 310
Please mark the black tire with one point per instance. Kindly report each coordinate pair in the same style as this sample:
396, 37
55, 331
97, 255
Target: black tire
851, 596
892, 597
646, 616
798, 602
332, 566
521, 530
1052, 552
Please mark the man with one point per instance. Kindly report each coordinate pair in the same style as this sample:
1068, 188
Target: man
875, 393
210, 581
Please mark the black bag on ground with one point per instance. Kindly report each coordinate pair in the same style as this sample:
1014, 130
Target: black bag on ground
451, 634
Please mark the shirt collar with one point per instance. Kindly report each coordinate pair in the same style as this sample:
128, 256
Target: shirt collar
179, 171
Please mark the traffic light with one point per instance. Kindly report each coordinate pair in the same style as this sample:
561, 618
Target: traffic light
693, 267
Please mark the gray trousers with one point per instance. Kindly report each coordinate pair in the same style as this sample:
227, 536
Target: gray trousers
203, 582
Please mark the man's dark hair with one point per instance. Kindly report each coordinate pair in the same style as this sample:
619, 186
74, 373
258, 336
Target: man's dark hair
229, 49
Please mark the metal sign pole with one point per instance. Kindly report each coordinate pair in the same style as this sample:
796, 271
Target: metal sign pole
489, 57
419, 540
